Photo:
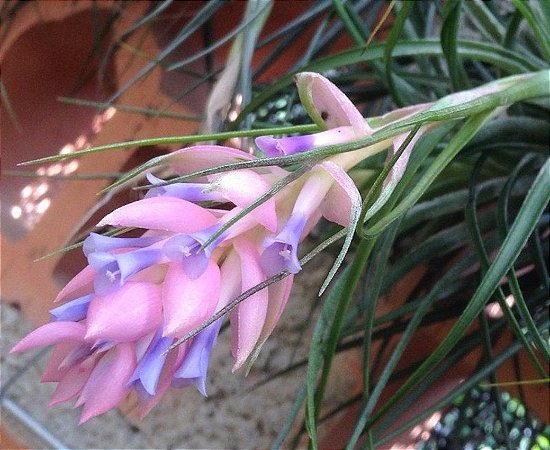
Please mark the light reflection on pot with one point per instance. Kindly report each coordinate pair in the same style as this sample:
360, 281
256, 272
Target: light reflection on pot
36, 197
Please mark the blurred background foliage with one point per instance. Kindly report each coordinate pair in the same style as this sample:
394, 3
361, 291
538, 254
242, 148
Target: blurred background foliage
472, 247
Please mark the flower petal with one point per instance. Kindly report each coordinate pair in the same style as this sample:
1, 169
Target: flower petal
296, 144
127, 314
161, 213
281, 252
327, 105
54, 370
347, 184
192, 192
72, 383
278, 294
342, 196
189, 302
199, 157
74, 311
82, 283
99, 243
106, 386
194, 366
150, 366
114, 269
51, 333
244, 187
396, 171
148, 402
248, 318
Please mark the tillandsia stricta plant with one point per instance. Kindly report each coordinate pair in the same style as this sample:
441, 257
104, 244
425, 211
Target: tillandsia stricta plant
145, 313
454, 189
121, 314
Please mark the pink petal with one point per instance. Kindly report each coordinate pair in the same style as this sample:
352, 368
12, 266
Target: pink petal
199, 157
244, 187
161, 213
188, 303
127, 314
52, 371
173, 360
248, 318
397, 170
278, 297
342, 196
107, 384
51, 333
71, 384
80, 285
348, 186
330, 104
400, 165
231, 281
278, 294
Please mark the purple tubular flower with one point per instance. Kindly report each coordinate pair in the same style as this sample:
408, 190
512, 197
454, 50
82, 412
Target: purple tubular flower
150, 366
184, 248
74, 310
281, 252
192, 192
99, 243
296, 144
285, 146
194, 366
113, 270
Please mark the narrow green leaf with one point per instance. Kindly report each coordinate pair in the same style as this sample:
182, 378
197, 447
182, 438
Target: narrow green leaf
479, 246
509, 61
227, 37
526, 220
515, 288
203, 15
542, 34
128, 108
449, 33
398, 351
391, 41
464, 387
355, 32
486, 22
459, 140
331, 318
174, 140
316, 351
285, 429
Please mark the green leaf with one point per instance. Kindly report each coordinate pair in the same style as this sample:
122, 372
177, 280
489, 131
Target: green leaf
486, 22
479, 246
464, 387
326, 335
201, 17
509, 61
398, 351
541, 33
459, 140
526, 220
391, 41
449, 33
128, 108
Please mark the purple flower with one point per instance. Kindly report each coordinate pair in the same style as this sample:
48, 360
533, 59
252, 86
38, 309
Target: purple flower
194, 366
148, 370
281, 251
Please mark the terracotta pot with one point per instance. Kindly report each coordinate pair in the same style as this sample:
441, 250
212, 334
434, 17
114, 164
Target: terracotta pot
42, 60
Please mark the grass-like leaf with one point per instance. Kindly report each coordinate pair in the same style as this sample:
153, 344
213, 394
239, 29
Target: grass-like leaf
526, 220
